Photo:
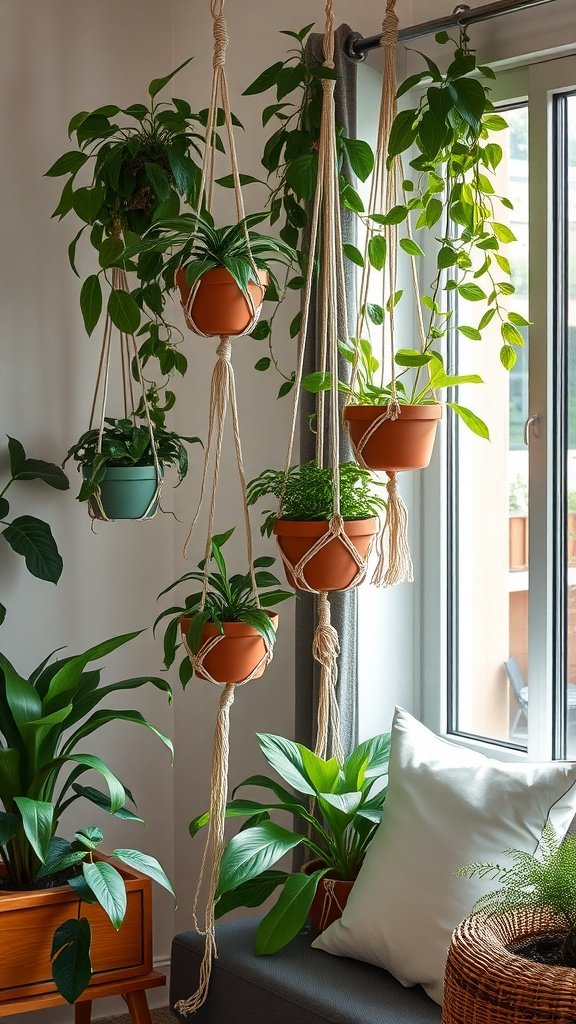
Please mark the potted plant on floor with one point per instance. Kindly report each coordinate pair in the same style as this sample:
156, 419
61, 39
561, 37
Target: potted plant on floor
515, 957
119, 468
307, 495
222, 273
339, 808
229, 636
60, 904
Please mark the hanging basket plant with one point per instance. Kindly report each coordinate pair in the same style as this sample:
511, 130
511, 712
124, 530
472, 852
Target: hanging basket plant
383, 443
307, 494
225, 626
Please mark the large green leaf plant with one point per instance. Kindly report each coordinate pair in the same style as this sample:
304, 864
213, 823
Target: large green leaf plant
44, 721
338, 808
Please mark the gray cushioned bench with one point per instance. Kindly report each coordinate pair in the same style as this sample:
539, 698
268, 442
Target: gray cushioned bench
299, 985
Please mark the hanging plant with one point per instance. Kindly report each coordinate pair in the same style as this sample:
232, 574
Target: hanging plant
139, 163
230, 611
307, 495
290, 159
222, 273
120, 465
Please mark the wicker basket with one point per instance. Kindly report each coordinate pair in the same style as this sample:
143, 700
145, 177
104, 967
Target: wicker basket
486, 984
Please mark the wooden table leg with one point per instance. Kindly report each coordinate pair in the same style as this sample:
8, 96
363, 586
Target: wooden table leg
83, 1012
138, 1007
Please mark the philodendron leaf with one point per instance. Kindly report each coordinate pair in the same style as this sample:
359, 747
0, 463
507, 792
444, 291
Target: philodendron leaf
108, 887
124, 311
37, 820
289, 914
33, 539
158, 83
102, 800
472, 421
17, 455
147, 865
286, 758
47, 472
8, 827
90, 838
2, 613
251, 893
59, 856
250, 853
91, 302
71, 966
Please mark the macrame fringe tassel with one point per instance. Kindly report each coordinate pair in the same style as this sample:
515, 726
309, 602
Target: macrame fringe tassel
394, 562
326, 649
212, 850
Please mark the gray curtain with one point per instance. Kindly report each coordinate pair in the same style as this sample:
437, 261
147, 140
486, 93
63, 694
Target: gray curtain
344, 606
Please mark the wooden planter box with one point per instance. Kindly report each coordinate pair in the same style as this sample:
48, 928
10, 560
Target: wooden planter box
28, 921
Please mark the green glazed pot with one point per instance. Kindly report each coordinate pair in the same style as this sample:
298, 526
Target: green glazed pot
126, 492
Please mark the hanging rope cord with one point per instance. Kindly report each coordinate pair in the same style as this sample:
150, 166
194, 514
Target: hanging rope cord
219, 90
222, 394
326, 221
394, 563
128, 354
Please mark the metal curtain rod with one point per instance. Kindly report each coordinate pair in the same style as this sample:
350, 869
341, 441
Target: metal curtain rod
356, 46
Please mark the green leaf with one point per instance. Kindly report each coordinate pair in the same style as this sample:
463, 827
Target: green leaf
503, 232
158, 83
108, 887
507, 357
285, 757
59, 856
265, 80
353, 254
263, 363
103, 801
115, 787
472, 421
471, 292
71, 966
245, 179
90, 838
124, 312
91, 302
17, 455
33, 539
494, 123
410, 83
360, 156
147, 865
411, 247
250, 853
251, 893
375, 313
470, 332
110, 250
301, 175
518, 320
9, 826
487, 317
261, 331
288, 916
38, 823
447, 257
411, 357
511, 335
377, 251
402, 133
69, 163
87, 202
47, 472
433, 212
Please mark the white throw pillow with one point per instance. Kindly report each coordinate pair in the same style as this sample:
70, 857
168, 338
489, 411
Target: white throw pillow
446, 806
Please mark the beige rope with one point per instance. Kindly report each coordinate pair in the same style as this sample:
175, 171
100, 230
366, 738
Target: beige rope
394, 563
325, 650
212, 850
330, 898
197, 659
95, 506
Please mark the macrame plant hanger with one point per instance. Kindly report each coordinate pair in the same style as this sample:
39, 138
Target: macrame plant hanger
394, 563
326, 239
128, 357
222, 394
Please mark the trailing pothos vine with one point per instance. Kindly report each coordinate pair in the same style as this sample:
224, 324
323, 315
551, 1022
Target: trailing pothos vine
290, 159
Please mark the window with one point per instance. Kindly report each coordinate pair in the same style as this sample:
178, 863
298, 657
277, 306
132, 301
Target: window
509, 617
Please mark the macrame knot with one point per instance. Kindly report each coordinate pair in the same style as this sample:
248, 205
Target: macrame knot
224, 350
390, 26
393, 408
328, 84
337, 525
220, 41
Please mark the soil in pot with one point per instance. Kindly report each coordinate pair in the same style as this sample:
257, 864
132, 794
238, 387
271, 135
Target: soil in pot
396, 445
543, 949
220, 306
332, 567
330, 899
126, 492
236, 654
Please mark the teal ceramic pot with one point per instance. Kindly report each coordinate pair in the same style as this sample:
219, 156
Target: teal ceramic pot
126, 492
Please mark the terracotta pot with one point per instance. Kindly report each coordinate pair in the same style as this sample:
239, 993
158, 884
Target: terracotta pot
29, 919
220, 307
333, 567
236, 655
518, 542
400, 444
330, 900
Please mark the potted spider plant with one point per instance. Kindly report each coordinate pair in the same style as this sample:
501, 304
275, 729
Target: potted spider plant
222, 273
337, 809
68, 917
229, 635
119, 470
307, 493
523, 935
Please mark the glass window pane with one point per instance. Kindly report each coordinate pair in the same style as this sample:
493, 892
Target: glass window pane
490, 603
